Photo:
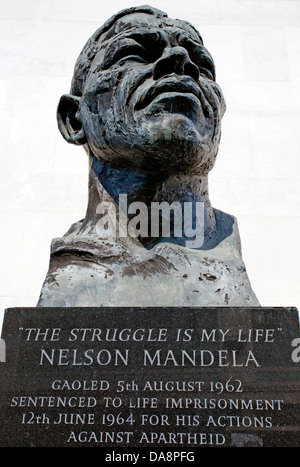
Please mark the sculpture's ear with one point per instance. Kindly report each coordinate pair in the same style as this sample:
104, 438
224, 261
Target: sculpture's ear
69, 121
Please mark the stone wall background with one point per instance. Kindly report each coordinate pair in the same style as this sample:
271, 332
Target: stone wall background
43, 184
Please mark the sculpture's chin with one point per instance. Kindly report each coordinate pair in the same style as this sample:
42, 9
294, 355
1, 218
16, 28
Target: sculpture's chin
172, 142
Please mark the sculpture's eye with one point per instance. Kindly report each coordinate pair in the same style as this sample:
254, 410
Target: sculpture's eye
204, 64
153, 44
130, 52
127, 49
143, 47
200, 56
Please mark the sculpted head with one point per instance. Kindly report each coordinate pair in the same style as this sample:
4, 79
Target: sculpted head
144, 96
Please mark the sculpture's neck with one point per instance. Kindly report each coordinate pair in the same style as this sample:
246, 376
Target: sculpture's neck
144, 188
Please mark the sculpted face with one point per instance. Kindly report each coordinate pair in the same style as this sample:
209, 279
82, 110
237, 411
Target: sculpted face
150, 99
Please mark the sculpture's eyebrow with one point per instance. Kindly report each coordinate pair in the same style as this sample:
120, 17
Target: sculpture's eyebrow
142, 36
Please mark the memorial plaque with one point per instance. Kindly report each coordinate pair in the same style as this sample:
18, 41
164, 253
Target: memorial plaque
150, 377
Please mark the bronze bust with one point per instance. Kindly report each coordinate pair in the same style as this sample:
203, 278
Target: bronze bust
145, 105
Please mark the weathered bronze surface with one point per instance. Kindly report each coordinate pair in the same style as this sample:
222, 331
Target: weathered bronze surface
145, 105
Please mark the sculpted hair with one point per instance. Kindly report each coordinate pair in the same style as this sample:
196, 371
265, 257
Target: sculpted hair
92, 46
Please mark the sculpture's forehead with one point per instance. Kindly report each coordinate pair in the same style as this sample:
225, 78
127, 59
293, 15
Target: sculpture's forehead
143, 21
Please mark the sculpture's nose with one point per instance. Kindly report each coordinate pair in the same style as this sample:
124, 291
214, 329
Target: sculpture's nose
175, 60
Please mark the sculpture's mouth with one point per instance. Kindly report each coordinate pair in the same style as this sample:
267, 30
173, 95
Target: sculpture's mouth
170, 87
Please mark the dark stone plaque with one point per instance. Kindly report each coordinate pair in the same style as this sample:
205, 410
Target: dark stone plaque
150, 377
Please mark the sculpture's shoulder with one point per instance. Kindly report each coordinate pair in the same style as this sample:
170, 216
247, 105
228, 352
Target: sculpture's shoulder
88, 271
